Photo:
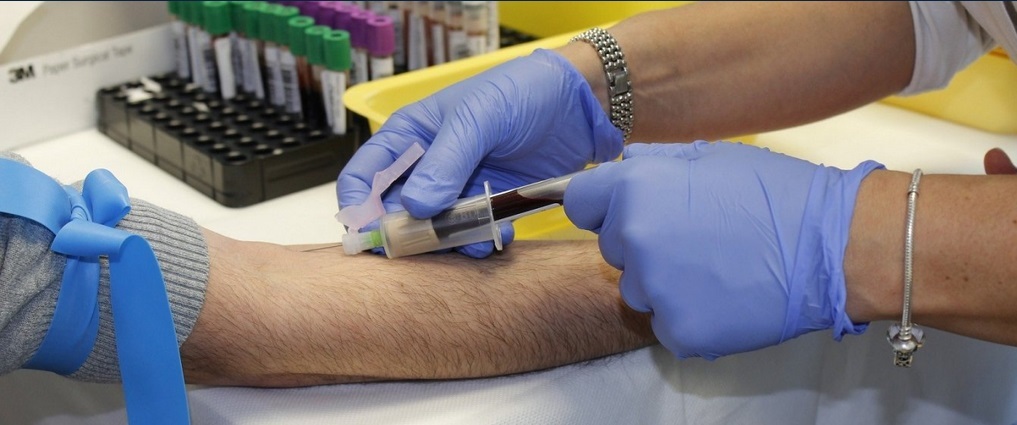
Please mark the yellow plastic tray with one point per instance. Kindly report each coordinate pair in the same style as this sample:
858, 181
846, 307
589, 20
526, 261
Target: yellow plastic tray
548, 18
982, 96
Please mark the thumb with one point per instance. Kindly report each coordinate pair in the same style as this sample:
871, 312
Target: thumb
588, 196
673, 150
997, 162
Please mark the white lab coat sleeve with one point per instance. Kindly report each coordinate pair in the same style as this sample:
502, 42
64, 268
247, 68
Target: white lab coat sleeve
947, 39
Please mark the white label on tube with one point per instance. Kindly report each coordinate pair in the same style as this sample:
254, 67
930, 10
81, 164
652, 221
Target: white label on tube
180, 47
493, 29
275, 89
224, 59
359, 73
381, 67
210, 78
237, 59
240, 55
438, 43
417, 43
333, 85
197, 66
457, 46
476, 44
253, 82
399, 25
291, 87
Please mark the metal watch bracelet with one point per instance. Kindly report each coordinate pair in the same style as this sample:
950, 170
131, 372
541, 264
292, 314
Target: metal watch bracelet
619, 87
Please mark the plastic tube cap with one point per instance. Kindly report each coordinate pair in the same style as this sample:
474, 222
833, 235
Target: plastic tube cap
380, 36
297, 26
324, 14
266, 22
190, 12
343, 16
315, 40
281, 25
337, 50
358, 28
307, 8
355, 243
251, 13
218, 18
237, 14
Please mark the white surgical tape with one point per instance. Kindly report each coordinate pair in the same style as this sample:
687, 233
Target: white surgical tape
355, 217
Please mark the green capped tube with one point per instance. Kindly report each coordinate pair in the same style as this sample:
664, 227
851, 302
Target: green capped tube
310, 108
335, 78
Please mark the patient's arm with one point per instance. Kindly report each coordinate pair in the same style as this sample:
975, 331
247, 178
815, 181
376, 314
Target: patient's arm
274, 316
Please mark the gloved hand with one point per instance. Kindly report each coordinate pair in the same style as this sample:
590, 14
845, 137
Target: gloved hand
730, 247
526, 120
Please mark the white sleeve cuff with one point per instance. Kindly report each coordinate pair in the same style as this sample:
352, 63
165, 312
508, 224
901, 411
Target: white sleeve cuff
947, 39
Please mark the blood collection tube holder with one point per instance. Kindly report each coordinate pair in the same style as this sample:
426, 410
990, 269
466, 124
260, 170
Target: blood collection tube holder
238, 152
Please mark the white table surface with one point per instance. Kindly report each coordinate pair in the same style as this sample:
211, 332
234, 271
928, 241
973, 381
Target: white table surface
809, 380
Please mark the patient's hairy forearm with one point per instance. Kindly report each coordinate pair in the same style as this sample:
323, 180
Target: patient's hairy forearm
274, 316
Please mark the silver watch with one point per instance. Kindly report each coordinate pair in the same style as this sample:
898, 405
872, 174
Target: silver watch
619, 87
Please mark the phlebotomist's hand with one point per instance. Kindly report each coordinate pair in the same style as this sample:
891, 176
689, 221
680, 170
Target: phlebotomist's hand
526, 120
730, 247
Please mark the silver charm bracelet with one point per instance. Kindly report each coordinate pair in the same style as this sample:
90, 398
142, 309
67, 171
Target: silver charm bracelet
905, 337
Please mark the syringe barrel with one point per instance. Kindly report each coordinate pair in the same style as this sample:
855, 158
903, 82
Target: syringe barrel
468, 221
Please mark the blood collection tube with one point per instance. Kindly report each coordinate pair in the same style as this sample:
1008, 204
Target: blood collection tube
398, 15
253, 82
298, 46
179, 30
206, 51
192, 15
476, 25
416, 38
287, 61
358, 39
270, 55
436, 42
237, 47
381, 46
493, 27
334, 78
218, 24
314, 37
458, 48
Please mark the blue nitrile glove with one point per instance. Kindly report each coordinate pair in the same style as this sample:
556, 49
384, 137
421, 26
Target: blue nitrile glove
730, 247
523, 121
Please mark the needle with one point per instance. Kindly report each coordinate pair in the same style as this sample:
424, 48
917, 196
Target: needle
323, 247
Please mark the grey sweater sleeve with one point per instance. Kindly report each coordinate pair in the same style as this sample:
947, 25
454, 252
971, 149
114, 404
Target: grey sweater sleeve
30, 277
